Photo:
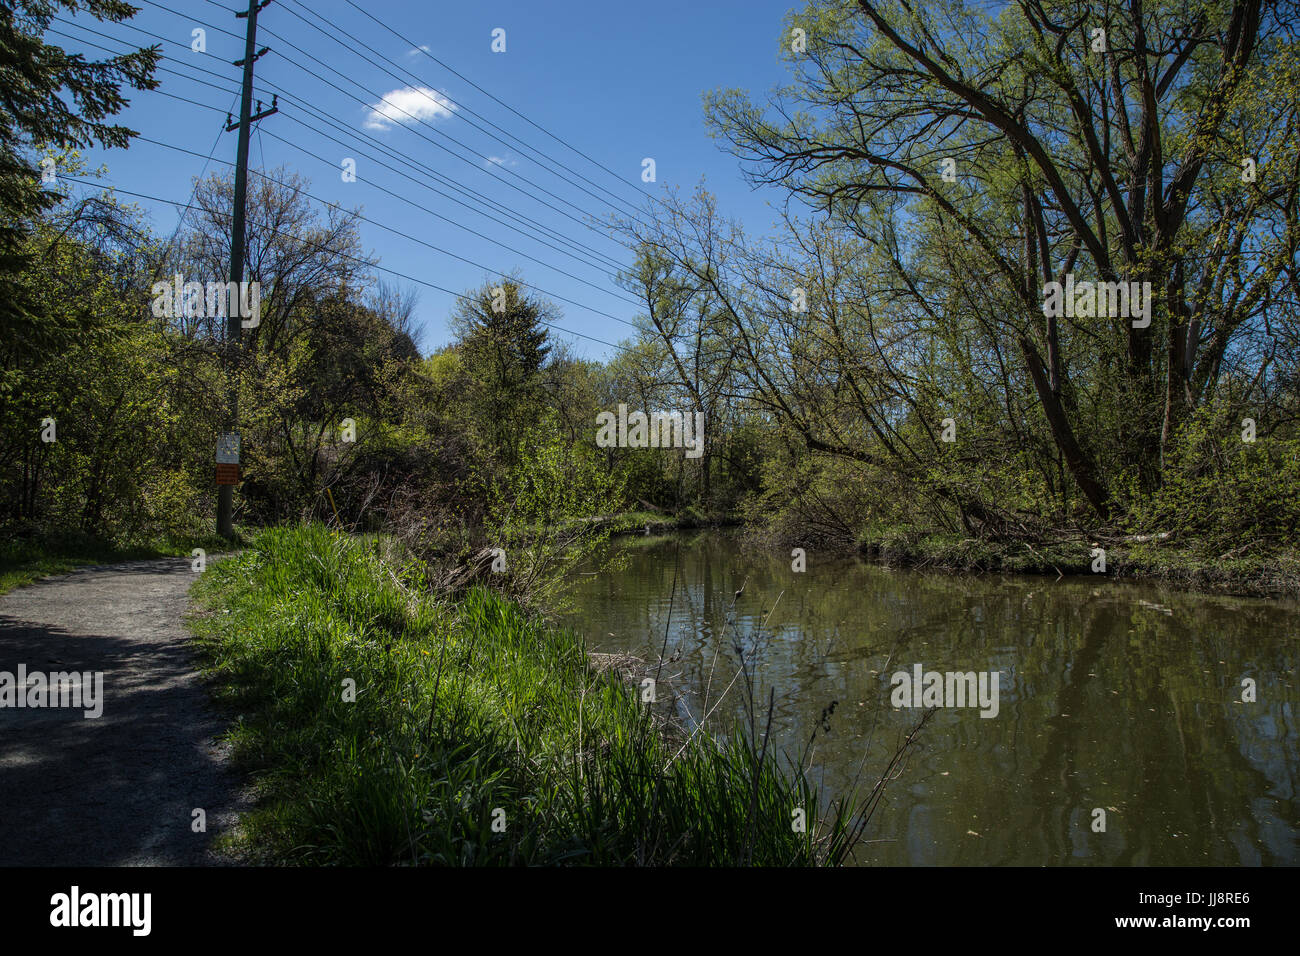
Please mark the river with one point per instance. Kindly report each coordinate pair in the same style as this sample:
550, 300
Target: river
1123, 698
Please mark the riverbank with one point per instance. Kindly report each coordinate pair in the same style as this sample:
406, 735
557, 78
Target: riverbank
661, 522
1271, 575
386, 724
1274, 574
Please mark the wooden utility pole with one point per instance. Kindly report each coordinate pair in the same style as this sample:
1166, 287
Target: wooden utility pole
234, 358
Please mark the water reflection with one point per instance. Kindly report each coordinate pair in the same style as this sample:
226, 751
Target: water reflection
1115, 696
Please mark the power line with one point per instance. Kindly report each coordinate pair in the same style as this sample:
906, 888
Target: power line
181, 219
490, 167
161, 56
474, 232
460, 106
319, 116
368, 105
413, 45
397, 196
416, 47
366, 262
397, 232
195, 188
417, 79
602, 266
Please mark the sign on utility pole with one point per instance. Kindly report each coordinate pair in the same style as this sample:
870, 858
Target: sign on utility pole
226, 486
228, 459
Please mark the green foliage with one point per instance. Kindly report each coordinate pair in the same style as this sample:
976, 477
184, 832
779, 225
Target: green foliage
129, 444
57, 99
956, 159
543, 519
822, 423
501, 340
1224, 496
460, 710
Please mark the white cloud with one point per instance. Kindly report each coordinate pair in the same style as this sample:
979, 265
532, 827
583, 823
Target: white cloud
407, 105
416, 51
499, 161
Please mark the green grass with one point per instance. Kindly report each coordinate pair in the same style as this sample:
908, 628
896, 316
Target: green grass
465, 713
23, 561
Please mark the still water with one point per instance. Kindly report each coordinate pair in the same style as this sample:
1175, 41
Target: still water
1121, 697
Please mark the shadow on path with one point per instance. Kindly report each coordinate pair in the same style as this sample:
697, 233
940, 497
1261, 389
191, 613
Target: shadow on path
119, 789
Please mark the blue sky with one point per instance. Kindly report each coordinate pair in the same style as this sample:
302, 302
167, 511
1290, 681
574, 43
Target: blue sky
620, 82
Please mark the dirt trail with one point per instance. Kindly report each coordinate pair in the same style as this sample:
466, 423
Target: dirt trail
119, 789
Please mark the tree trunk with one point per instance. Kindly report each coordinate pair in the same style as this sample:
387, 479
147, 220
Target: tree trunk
1081, 465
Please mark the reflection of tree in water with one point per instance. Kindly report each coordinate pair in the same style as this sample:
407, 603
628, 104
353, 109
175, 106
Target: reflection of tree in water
1112, 695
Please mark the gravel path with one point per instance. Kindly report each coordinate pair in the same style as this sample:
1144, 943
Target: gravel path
119, 789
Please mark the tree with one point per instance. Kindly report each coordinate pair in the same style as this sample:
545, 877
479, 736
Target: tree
1056, 137
691, 344
296, 253
57, 99
503, 342
109, 433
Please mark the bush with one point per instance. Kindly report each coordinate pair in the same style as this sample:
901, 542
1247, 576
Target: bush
1224, 496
